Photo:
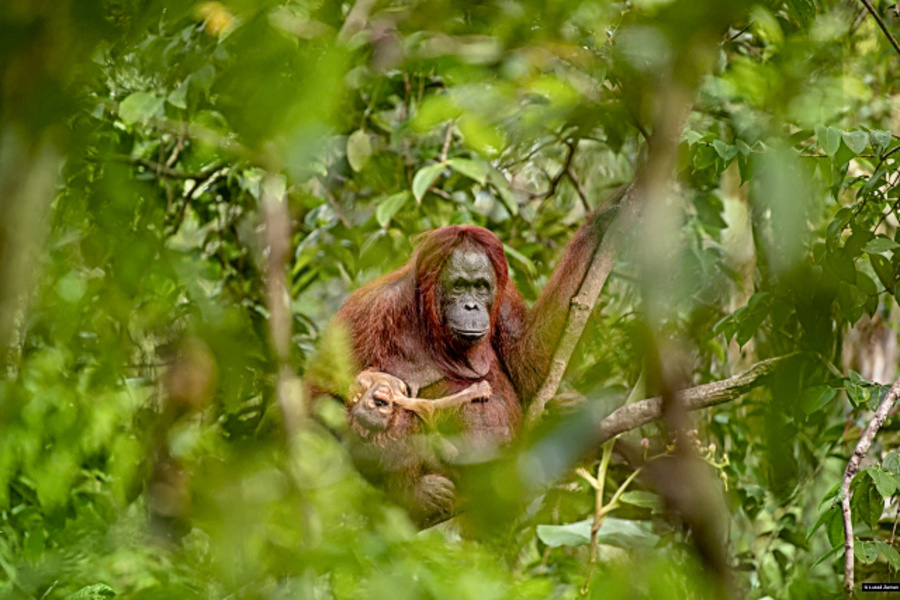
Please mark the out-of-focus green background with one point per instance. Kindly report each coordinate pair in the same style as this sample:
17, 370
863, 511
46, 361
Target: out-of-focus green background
142, 448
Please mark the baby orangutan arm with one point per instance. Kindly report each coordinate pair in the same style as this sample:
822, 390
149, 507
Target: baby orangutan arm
382, 392
427, 410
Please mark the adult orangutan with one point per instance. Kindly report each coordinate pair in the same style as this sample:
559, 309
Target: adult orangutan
450, 318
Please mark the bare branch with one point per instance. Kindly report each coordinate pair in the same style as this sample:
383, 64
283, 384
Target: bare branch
868, 436
881, 24
632, 416
278, 298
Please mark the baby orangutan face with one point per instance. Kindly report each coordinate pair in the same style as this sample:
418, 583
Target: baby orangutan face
373, 407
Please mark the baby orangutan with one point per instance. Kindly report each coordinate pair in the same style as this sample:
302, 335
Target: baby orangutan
382, 394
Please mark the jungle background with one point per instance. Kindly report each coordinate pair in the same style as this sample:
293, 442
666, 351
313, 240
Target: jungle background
161, 161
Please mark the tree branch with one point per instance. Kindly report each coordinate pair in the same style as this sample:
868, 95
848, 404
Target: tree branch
868, 436
277, 239
632, 416
884, 28
651, 178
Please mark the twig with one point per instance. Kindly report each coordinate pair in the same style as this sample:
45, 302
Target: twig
448, 137
881, 24
179, 146
632, 416
567, 164
580, 190
868, 436
161, 170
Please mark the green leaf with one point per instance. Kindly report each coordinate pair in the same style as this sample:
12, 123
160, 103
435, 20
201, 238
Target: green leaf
622, 533
881, 244
889, 553
139, 106
881, 139
834, 527
643, 499
884, 482
725, 151
829, 139
842, 265
573, 534
178, 98
883, 269
827, 555
425, 178
389, 207
865, 552
359, 149
474, 169
93, 592
867, 503
692, 137
817, 397
521, 260
856, 140
891, 463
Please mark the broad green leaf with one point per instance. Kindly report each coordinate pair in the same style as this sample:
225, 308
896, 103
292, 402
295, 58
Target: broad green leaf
867, 503
891, 462
481, 135
865, 552
359, 149
835, 550
725, 151
856, 140
817, 397
521, 260
622, 533
692, 137
643, 499
884, 482
854, 245
139, 106
889, 553
842, 265
881, 139
98, 591
389, 207
834, 527
881, 244
829, 139
573, 534
425, 178
883, 269
178, 98
474, 169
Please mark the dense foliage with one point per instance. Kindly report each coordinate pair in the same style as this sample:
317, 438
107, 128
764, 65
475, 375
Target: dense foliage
143, 452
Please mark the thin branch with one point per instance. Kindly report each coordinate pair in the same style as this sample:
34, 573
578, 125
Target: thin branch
554, 183
868, 436
278, 299
448, 138
161, 170
631, 416
881, 24
578, 188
